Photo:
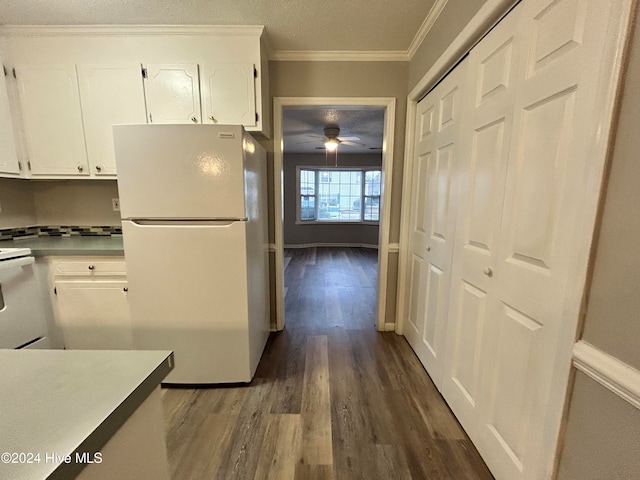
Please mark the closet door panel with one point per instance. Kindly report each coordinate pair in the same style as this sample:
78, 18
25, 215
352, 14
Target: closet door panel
485, 142
556, 117
423, 165
461, 383
438, 126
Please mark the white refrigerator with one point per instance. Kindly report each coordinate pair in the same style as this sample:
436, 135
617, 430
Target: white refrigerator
193, 203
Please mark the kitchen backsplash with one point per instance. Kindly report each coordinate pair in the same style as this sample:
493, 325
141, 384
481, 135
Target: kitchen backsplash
59, 231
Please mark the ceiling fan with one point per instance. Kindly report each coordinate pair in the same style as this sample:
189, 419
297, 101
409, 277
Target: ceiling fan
332, 139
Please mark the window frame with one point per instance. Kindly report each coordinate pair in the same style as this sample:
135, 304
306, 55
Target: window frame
319, 168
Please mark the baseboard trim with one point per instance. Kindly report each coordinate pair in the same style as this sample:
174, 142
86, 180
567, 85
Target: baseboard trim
350, 245
389, 327
615, 375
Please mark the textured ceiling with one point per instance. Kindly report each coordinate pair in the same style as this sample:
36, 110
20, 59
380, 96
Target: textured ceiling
303, 128
320, 25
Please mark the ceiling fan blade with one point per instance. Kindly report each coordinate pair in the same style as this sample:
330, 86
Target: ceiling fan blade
310, 141
314, 135
348, 139
352, 144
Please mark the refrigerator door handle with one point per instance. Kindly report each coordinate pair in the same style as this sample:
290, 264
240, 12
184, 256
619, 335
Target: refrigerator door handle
185, 222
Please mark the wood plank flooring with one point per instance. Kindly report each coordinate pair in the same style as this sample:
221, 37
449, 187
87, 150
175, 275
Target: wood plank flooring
332, 397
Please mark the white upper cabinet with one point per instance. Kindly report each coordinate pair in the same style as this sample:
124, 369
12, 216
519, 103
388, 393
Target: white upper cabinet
110, 95
52, 118
8, 156
172, 93
228, 94
74, 82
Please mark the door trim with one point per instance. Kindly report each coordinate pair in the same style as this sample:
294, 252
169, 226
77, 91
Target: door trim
278, 194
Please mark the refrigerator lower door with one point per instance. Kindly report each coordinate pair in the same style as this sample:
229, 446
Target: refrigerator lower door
188, 293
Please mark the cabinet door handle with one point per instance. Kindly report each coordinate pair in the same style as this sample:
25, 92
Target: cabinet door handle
125, 289
194, 119
98, 168
428, 248
487, 271
91, 267
80, 168
213, 119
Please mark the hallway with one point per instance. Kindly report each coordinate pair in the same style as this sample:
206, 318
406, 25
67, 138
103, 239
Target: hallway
332, 397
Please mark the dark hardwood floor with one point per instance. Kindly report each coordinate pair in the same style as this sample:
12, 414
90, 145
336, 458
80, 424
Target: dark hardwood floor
332, 397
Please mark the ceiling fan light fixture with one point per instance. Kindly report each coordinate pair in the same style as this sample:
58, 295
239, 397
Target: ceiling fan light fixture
331, 144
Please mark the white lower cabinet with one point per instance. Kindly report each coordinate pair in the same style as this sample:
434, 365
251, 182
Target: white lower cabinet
90, 303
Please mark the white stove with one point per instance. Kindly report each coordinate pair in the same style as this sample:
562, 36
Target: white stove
22, 314
9, 253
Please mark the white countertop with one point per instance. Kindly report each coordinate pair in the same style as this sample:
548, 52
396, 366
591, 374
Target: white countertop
58, 402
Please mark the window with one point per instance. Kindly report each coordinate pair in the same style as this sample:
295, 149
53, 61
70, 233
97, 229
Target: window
339, 195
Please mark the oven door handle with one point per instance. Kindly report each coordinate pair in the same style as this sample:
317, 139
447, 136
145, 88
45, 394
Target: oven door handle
16, 263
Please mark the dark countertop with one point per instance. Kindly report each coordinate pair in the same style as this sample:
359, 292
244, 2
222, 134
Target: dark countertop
79, 246
66, 401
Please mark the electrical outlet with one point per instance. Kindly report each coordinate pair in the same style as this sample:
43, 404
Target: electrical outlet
115, 202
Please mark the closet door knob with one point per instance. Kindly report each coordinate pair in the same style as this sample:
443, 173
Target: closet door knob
487, 271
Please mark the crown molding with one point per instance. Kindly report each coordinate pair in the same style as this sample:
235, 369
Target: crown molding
338, 56
426, 27
130, 30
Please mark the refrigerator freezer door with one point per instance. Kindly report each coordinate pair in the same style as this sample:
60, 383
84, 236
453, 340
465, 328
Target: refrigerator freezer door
180, 171
188, 293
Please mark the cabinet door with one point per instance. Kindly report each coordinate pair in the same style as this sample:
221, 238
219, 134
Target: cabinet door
110, 95
172, 93
8, 155
94, 314
50, 105
228, 94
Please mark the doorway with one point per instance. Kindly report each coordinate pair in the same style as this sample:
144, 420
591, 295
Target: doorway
387, 107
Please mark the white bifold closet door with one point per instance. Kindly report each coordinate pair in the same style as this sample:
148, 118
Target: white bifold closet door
432, 223
528, 168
